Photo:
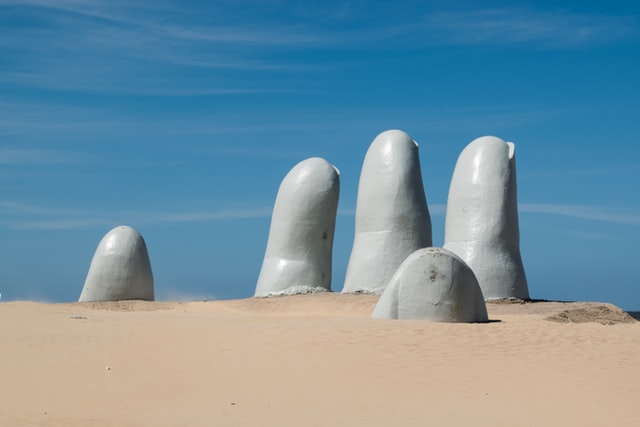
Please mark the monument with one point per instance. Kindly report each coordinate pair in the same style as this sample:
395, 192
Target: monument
120, 268
481, 224
433, 284
299, 248
392, 218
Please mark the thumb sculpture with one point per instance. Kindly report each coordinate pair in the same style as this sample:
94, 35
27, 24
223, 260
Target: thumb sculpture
433, 284
392, 218
298, 255
120, 268
481, 224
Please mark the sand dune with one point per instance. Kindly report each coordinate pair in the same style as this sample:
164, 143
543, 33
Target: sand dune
314, 360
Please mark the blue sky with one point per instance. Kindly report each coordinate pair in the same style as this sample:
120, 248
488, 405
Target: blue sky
181, 119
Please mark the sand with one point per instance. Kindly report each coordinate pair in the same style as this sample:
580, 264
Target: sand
314, 360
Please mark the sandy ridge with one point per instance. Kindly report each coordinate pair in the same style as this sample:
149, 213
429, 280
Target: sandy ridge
361, 305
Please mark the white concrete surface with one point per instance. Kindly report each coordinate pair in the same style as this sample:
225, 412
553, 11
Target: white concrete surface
433, 284
392, 217
481, 223
299, 248
120, 268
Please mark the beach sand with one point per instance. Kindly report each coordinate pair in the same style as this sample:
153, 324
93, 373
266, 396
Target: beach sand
314, 360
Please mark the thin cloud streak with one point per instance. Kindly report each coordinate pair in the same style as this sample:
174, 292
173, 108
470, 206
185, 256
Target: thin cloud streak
589, 236
15, 208
584, 172
140, 19
15, 156
517, 26
43, 218
592, 213
73, 123
132, 85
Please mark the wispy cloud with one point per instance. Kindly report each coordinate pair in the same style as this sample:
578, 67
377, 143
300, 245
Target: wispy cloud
497, 117
16, 156
31, 217
16, 208
588, 235
596, 171
117, 47
56, 134
46, 121
18, 215
518, 25
592, 213
233, 24
108, 47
